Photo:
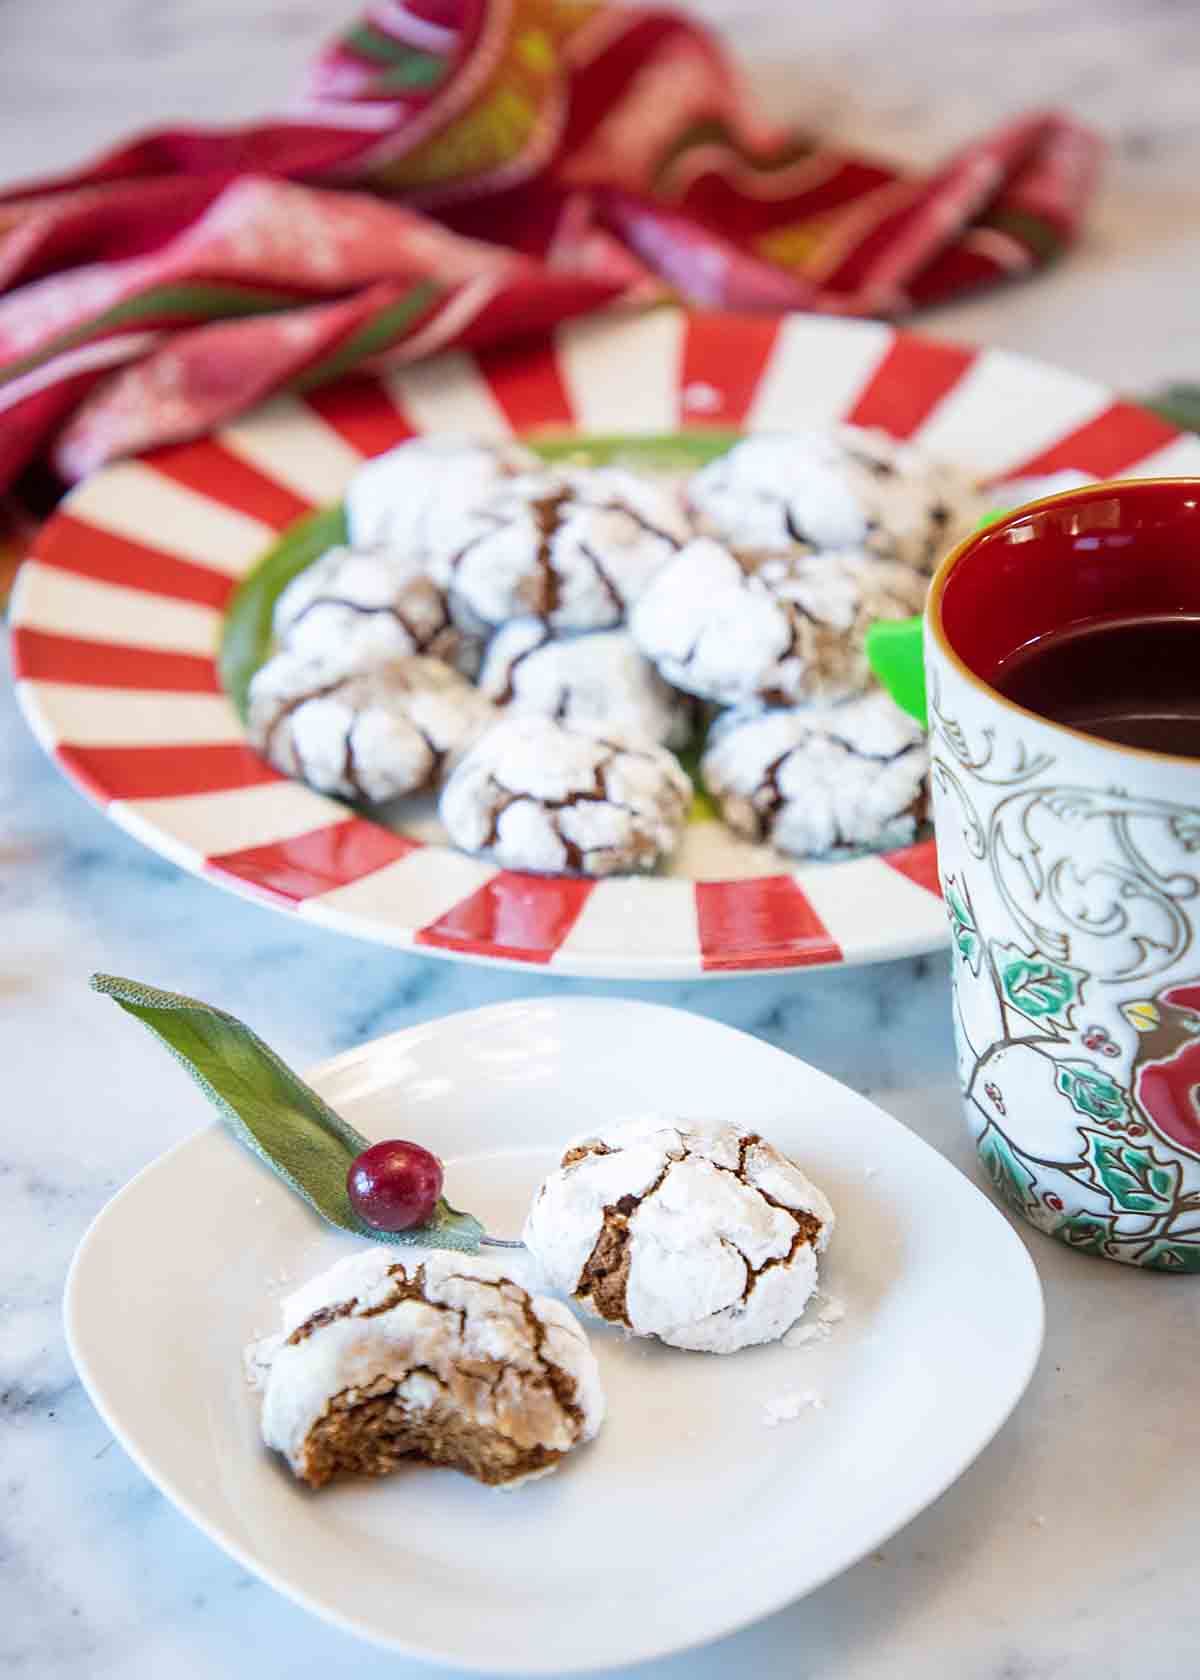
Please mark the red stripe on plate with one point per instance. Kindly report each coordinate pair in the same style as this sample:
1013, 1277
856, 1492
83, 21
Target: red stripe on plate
41, 656
525, 917
723, 361
317, 862
71, 545
362, 413
919, 863
764, 923
909, 383
217, 472
526, 382
1104, 446
164, 772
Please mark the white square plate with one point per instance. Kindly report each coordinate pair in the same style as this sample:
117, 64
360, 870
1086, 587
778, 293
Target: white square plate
689, 1516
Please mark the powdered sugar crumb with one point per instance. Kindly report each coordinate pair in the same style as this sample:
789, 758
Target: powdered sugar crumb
786, 1408
830, 1311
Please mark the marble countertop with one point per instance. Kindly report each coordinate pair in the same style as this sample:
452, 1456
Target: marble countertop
1066, 1551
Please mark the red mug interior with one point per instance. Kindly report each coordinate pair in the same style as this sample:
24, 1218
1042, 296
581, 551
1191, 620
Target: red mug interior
1105, 551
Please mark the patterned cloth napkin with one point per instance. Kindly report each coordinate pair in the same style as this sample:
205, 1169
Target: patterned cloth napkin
457, 172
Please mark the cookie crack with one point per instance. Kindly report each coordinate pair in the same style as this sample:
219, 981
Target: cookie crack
604, 578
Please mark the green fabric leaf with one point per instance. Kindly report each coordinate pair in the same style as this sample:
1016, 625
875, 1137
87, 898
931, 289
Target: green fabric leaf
1043, 991
1132, 1178
1090, 1090
372, 336
1010, 1178
173, 302
415, 70
273, 1112
246, 630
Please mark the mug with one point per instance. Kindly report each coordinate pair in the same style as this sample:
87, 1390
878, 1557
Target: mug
1070, 871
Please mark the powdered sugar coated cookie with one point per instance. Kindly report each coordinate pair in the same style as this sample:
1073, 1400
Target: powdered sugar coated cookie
573, 547
702, 1234
819, 780
540, 795
847, 487
780, 626
597, 676
363, 734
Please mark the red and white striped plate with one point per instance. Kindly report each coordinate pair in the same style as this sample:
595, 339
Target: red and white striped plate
116, 619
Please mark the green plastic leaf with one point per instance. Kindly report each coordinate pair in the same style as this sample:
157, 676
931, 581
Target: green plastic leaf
1133, 1178
1008, 1175
1085, 1232
273, 1112
896, 653
1042, 990
1090, 1090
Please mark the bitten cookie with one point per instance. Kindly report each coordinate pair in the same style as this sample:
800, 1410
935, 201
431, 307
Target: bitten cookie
364, 734
819, 780
582, 679
367, 605
405, 499
436, 1357
574, 548
539, 795
845, 488
781, 626
701, 1234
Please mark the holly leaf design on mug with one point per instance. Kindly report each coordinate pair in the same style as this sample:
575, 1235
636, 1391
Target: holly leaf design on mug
1090, 1090
1085, 1231
963, 929
1043, 991
1173, 1257
1008, 1175
1133, 1178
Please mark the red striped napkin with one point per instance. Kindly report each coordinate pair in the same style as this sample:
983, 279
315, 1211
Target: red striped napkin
459, 172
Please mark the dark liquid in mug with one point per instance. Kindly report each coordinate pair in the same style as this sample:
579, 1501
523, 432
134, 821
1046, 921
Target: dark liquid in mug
1135, 681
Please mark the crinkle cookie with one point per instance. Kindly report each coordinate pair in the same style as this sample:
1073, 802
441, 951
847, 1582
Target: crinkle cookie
434, 1356
819, 780
701, 1234
599, 675
572, 547
843, 488
540, 795
405, 499
364, 734
783, 627
367, 605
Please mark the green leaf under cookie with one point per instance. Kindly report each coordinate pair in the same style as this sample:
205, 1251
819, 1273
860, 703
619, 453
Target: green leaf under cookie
273, 1112
246, 631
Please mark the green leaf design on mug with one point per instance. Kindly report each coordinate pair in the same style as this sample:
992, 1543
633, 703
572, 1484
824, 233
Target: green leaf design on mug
1086, 1232
1040, 989
962, 927
1010, 1178
1090, 1090
1174, 1257
273, 1112
1133, 1178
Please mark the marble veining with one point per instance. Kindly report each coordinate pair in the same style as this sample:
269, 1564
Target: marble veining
1066, 1552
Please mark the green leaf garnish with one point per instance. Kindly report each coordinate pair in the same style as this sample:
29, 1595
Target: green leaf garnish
273, 1112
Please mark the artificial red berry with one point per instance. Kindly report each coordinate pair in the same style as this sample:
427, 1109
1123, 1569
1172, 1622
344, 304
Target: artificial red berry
394, 1185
